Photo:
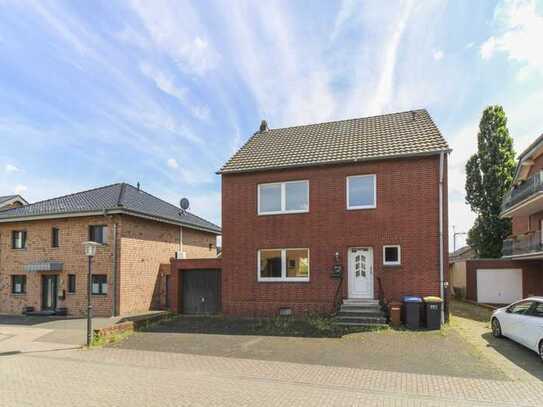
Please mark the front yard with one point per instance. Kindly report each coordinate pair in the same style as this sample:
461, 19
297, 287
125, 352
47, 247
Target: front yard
317, 341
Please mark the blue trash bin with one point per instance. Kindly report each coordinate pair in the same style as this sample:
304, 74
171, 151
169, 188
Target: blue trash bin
413, 307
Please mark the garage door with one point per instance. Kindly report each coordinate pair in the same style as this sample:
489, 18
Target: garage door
499, 286
201, 291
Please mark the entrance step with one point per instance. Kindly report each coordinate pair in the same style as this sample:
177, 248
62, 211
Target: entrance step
356, 312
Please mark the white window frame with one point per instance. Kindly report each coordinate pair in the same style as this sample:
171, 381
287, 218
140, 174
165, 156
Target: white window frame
283, 209
355, 207
392, 263
283, 277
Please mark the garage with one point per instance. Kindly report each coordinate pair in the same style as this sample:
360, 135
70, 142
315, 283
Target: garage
499, 286
201, 290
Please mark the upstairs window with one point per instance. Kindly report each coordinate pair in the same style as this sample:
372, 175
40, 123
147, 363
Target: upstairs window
18, 239
283, 265
283, 197
55, 236
98, 233
361, 192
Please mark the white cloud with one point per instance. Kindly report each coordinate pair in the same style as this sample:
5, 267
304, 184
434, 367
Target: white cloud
164, 82
175, 28
520, 31
488, 48
10, 168
438, 54
19, 189
385, 84
172, 163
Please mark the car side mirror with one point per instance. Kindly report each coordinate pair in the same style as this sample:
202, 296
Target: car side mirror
508, 310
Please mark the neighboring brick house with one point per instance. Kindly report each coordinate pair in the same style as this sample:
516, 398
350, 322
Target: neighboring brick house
42, 260
11, 201
315, 214
520, 272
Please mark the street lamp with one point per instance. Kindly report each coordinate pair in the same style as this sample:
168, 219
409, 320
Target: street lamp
90, 252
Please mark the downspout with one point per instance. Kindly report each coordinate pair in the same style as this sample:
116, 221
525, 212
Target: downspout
114, 311
441, 282
181, 241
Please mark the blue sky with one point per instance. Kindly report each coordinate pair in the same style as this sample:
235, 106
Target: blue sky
163, 92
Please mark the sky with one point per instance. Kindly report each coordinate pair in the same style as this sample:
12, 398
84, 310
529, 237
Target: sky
164, 92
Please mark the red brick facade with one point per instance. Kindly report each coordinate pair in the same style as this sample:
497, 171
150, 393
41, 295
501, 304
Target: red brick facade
143, 248
407, 214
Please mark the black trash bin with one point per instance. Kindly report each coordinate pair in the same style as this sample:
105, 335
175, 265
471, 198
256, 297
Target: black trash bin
412, 311
432, 312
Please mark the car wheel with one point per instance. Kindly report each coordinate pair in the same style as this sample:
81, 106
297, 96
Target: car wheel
496, 328
541, 350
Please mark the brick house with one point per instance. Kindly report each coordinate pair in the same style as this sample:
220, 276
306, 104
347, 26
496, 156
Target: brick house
349, 210
11, 201
519, 273
43, 265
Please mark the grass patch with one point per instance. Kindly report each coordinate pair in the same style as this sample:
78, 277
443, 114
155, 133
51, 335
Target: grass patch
99, 341
311, 326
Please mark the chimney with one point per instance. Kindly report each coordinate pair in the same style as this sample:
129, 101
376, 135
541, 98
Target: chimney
263, 126
138, 186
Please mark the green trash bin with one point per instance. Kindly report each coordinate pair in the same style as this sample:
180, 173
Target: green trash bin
432, 312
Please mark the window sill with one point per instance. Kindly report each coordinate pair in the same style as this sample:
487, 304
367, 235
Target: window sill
18, 294
281, 213
290, 281
18, 248
392, 266
99, 294
359, 208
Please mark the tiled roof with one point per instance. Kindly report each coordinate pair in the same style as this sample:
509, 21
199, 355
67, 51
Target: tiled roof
122, 198
6, 198
368, 138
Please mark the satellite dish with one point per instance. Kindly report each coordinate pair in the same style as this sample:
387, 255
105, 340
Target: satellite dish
184, 204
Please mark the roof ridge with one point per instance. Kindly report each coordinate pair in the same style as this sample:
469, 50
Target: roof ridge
72, 194
343, 120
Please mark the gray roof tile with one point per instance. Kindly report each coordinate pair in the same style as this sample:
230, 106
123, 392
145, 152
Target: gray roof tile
368, 138
121, 197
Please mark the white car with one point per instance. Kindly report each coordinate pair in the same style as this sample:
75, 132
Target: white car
522, 322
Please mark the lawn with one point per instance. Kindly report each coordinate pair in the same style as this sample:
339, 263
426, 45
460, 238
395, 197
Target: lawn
311, 326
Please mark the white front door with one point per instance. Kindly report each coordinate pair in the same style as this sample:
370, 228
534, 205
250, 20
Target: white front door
360, 272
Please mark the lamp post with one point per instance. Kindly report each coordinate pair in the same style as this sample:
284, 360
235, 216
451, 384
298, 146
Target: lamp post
90, 252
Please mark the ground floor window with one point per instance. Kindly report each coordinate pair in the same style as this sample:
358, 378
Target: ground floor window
71, 283
283, 265
392, 255
99, 284
18, 284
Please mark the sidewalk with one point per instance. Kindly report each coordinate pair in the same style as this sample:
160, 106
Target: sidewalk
118, 377
19, 333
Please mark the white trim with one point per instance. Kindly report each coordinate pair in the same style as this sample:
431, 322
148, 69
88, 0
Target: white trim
350, 271
283, 278
374, 192
392, 263
283, 209
16, 198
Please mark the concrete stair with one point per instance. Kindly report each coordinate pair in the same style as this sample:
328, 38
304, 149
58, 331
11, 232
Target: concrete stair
356, 312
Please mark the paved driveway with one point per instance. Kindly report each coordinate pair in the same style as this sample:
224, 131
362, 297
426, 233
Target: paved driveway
440, 353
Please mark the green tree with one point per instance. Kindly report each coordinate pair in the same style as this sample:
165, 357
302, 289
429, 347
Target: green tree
489, 175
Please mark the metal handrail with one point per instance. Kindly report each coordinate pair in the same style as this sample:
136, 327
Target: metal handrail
531, 242
519, 193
